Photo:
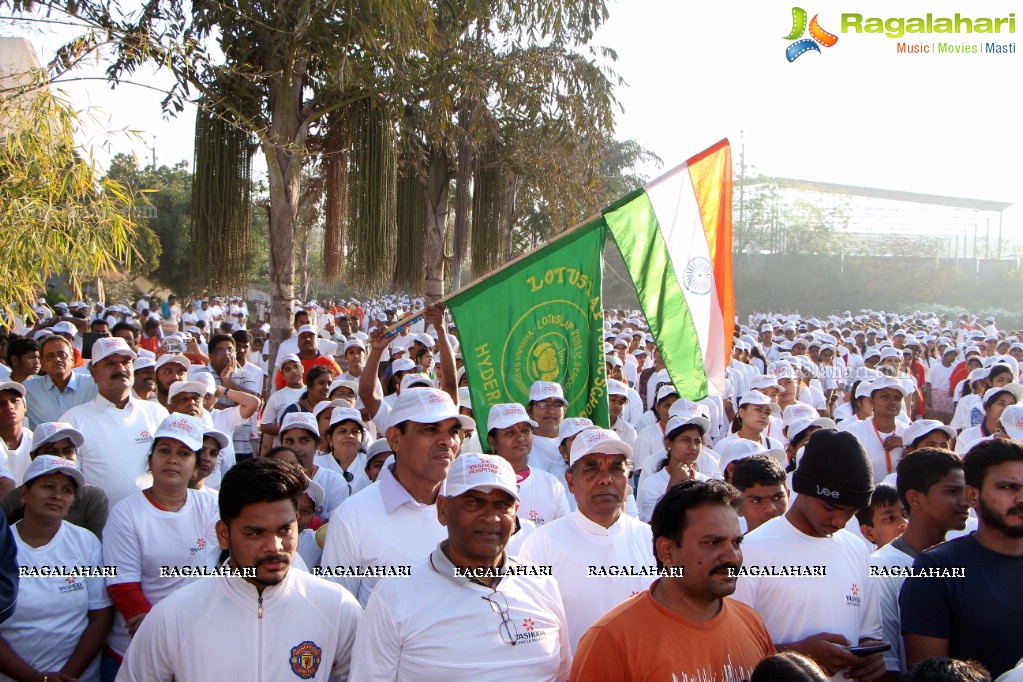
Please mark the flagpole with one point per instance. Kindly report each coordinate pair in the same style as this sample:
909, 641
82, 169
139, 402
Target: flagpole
397, 326
413, 317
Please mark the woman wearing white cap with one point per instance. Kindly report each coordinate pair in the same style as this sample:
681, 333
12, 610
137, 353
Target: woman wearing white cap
166, 527
683, 442
213, 442
59, 622
751, 422
969, 410
996, 399
346, 456
90, 507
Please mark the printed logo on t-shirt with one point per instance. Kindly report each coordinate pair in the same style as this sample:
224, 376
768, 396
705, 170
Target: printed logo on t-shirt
854, 598
305, 659
535, 517
144, 437
200, 545
531, 633
71, 585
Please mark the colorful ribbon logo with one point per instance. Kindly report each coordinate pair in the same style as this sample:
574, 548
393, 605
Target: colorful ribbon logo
818, 36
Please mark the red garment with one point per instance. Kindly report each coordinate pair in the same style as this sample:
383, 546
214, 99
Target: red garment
79, 360
920, 374
320, 359
129, 600
958, 374
150, 343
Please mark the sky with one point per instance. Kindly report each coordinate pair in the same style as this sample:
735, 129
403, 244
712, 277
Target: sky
856, 113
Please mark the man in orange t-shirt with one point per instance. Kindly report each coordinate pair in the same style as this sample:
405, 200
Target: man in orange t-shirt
683, 627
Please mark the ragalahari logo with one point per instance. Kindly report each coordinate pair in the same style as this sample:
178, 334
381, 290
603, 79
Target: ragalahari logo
818, 36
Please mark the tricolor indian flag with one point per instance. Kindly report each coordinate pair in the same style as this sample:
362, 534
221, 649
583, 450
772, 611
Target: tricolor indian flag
675, 235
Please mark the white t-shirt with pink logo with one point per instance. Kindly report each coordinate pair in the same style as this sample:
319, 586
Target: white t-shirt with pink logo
140, 540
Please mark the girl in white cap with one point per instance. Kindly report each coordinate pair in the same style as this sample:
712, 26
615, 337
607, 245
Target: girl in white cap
59, 621
161, 536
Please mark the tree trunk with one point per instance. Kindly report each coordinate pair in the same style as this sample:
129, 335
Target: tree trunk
282, 148
510, 214
462, 179
436, 221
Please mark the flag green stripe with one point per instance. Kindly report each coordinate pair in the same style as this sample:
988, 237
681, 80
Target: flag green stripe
635, 229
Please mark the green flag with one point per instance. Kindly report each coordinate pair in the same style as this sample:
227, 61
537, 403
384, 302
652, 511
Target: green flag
540, 319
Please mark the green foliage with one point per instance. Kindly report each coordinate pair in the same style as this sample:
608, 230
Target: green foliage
58, 216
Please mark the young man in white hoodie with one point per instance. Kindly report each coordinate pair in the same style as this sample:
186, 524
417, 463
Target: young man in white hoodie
261, 620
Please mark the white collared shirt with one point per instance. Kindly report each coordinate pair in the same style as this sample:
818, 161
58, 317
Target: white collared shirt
382, 525
438, 627
574, 544
117, 443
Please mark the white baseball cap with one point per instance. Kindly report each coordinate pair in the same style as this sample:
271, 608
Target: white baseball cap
765, 381
797, 412
797, 426
740, 448
165, 359
615, 387
44, 465
354, 342
464, 397
51, 432
473, 471
319, 407
12, 386
402, 365
187, 387
426, 406
613, 360
570, 426
65, 328
600, 442
1012, 421
182, 428
341, 382
306, 329
884, 382
424, 339
664, 391
143, 362
503, 415
300, 420
416, 379
687, 413
315, 492
346, 414
110, 345
1015, 389
546, 390
287, 357
758, 398
922, 427
223, 440
377, 447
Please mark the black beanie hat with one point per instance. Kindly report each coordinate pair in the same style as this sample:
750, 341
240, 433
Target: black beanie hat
835, 468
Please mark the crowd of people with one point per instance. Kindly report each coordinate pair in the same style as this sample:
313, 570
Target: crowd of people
850, 506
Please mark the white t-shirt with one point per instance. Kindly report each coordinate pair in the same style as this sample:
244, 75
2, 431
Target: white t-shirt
308, 548
888, 587
278, 402
626, 431
364, 533
336, 488
573, 544
962, 419
19, 458
542, 498
117, 443
140, 539
652, 489
545, 455
873, 443
939, 376
435, 627
358, 470
55, 609
649, 440
842, 601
